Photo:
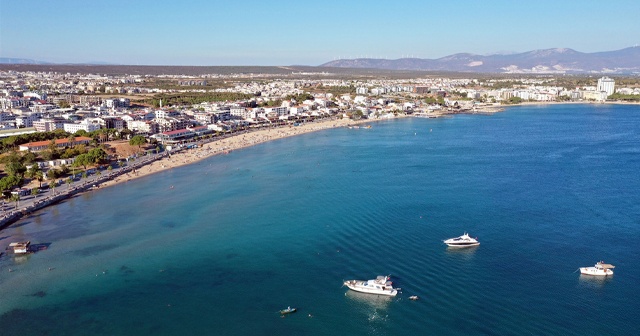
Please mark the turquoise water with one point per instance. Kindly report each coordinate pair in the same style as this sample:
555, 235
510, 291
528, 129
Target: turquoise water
240, 236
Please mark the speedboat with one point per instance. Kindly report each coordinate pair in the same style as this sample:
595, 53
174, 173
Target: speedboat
289, 310
600, 268
462, 241
380, 285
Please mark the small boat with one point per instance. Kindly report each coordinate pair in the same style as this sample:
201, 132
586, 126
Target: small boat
289, 310
380, 285
20, 247
462, 241
600, 268
413, 297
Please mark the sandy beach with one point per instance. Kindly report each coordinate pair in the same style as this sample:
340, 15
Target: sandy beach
231, 143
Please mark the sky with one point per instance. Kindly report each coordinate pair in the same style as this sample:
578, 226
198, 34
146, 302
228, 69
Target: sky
247, 32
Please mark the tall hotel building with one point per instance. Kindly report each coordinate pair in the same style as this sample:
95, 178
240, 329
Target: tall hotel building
606, 84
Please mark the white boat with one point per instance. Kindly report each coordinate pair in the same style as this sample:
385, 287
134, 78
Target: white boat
20, 247
289, 310
380, 285
600, 268
462, 241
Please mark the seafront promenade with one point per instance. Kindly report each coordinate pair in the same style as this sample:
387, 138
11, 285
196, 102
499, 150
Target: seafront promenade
22, 208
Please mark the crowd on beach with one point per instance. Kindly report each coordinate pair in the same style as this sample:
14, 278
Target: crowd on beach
226, 145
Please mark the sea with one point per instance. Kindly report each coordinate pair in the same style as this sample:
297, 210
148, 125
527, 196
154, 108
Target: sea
220, 246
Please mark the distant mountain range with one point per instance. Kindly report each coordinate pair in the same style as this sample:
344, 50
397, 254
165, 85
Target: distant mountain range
559, 60
5, 60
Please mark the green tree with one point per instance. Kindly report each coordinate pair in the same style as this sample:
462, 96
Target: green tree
35, 191
11, 157
137, 140
83, 160
15, 168
48, 155
33, 171
64, 169
29, 158
52, 174
9, 182
515, 100
81, 133
69, 153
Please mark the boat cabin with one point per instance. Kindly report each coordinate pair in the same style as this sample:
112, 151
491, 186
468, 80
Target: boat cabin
20, 247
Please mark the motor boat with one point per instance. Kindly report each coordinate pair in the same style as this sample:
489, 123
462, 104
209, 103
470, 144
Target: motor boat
380, 285
20, 247
463, 241
600, 268
289, 310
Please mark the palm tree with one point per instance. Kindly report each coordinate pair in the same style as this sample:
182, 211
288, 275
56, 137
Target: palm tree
40, 177
16, 198
69, 181
31, 172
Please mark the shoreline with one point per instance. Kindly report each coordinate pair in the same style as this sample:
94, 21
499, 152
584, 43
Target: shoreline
146, 166
224, 146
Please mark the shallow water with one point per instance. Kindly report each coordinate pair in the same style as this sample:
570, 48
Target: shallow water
241, 236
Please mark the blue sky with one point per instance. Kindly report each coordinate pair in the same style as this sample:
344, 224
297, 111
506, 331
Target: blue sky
304, 32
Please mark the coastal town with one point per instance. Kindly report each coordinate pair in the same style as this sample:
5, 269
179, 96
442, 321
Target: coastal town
86, 129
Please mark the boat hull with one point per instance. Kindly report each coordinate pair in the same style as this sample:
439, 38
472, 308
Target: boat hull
462, 245
288, 311
463, 241
595, 271
353, 285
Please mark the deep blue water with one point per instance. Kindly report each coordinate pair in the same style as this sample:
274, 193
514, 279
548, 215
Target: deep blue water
546, 189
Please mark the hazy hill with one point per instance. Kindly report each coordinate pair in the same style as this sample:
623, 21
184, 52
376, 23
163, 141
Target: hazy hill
559, 60
7, 60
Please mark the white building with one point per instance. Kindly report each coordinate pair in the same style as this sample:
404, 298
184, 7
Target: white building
362, 90
117, 103
143, 126
606, 84
84, 125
